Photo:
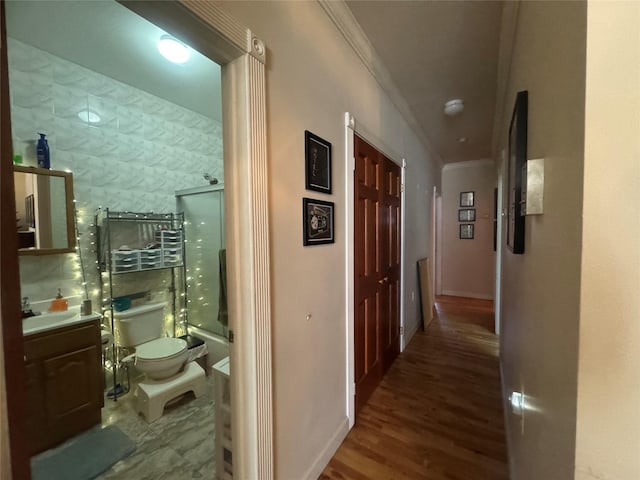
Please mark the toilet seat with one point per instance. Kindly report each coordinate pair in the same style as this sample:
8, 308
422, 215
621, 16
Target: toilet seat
161, 349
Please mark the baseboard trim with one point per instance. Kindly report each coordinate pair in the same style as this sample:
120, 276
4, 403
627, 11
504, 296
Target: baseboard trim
409, 335
328, 451
481, 296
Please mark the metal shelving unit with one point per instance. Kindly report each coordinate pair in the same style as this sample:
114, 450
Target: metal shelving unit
131, 243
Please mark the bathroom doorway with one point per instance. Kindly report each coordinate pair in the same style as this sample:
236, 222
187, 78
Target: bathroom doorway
251, 194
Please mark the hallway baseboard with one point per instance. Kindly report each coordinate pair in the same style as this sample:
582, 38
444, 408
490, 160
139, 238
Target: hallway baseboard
328, 451
481, 296
410, 333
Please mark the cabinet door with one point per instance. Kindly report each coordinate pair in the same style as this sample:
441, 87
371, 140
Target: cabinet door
72, 389
36, 420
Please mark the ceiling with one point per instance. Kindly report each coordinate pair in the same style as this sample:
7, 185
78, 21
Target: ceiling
437, 51
108, 38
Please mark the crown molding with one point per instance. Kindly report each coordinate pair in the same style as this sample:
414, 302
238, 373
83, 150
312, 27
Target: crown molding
346, 23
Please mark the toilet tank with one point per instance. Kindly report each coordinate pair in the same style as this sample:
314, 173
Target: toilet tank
140, 324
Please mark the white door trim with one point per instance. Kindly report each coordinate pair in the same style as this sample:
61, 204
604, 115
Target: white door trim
350, 166
499, 245
215, 33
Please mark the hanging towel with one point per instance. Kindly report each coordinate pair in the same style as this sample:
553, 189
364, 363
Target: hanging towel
223, 316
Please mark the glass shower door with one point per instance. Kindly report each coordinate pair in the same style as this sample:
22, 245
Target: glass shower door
204, 234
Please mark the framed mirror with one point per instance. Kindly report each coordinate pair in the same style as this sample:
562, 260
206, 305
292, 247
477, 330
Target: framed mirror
44, 211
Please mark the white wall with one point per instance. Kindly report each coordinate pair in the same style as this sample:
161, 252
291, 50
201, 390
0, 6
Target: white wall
608, 423
313, 78
541, 288
468, 265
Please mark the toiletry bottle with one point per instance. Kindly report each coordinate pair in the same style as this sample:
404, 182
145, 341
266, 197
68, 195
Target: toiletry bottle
59, 304
42, 152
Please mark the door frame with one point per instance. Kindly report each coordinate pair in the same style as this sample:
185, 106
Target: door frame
241, 55
435, 242
501, 215
352, 128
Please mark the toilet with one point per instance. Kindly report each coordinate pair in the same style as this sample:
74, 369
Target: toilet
163, 360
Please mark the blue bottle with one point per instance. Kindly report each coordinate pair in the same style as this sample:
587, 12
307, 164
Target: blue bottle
42, 152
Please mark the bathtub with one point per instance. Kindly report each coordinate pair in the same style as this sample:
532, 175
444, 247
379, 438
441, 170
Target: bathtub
217, 346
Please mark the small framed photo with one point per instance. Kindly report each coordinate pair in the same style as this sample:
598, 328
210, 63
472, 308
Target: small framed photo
467, 215
317, 221
466, 199
317, 152
466, 231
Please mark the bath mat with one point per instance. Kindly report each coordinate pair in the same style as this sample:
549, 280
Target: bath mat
83, 457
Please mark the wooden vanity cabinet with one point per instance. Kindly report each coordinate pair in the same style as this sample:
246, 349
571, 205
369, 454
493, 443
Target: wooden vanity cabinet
64, 383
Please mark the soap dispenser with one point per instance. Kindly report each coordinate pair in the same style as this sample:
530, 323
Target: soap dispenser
42, 152
59, 304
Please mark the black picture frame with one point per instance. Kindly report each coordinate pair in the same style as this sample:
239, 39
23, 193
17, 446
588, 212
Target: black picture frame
317, 154
467, 215
516, 173
495, 219
317, 222
467, 199
466, 231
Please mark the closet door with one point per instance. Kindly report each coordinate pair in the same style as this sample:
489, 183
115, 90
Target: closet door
377, 268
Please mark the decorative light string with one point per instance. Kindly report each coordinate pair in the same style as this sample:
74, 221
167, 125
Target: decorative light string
79, 250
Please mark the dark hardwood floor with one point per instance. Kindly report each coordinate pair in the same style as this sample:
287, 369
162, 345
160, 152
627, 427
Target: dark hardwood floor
437, 413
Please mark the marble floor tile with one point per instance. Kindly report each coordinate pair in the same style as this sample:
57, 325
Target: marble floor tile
177, 446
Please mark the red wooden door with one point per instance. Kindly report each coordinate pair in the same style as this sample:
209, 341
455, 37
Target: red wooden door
377, 267
390, 267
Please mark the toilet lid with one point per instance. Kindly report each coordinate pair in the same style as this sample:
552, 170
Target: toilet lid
160, 348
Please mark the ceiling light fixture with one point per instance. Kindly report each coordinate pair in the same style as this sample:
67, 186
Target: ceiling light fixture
454, 107
172, 49
89, 116
462, 139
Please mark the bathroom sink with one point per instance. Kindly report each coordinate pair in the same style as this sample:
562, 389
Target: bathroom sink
51, 320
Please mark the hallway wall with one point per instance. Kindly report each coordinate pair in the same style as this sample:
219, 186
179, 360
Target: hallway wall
468, 265
541, 288
608, 424
313, 78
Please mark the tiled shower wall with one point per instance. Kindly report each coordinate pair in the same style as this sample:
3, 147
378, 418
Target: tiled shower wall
143, 149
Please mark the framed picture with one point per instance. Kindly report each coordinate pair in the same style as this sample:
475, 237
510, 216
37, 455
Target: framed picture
516, 174
466, 231
317, 152
317, 221
466, 199
495, 219
467, 215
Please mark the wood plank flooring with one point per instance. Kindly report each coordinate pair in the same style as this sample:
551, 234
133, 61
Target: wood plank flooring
437, 413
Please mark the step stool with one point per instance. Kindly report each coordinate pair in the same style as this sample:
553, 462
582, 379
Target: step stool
153, 395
